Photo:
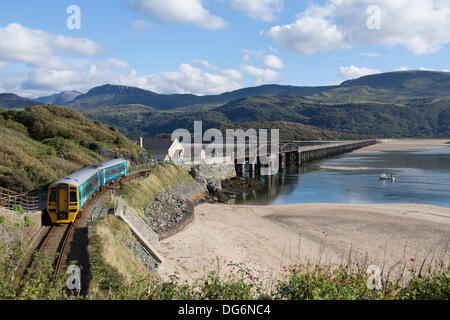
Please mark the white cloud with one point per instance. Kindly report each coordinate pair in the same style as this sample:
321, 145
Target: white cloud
232, 74
273, 62
187, 79
308, 35
38, 48
180, 11
422, 26
353, 72
426, 69
263, 76
265, 10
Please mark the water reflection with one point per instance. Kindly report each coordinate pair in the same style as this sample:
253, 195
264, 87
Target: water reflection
423, 177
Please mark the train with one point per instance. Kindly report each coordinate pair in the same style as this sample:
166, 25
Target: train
67, 196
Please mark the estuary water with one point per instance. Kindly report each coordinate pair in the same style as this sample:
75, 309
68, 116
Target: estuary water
423, 177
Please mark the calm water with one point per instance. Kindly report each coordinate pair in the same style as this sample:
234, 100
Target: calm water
423, 177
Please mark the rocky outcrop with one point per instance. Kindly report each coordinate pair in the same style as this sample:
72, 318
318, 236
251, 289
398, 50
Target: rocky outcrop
169, 214
192, 191
205, 173
240, 185
216, 192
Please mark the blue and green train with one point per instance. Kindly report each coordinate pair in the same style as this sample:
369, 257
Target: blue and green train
67, 196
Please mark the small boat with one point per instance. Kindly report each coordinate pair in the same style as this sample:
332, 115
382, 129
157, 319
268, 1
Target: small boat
385, 177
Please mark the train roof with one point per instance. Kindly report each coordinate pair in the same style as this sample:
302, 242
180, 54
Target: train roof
81, 176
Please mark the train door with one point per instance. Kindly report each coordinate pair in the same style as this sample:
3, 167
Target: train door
62, 201
102, 174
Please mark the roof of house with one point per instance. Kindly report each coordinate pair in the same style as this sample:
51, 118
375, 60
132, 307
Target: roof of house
157, 144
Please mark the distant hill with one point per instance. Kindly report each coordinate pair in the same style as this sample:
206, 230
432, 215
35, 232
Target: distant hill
59, 99
415, 118
111, 95
41, 144
415, 82
12, 101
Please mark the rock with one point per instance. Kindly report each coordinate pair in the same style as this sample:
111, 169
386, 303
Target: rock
167, 213
239, 185
216, 192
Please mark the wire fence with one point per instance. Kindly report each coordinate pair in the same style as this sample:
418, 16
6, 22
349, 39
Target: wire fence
14, 201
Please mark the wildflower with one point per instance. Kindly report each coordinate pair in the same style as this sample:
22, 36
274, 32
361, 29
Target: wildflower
197, 292
350, 280
413, 259
336, 279
338, 294
284, 267
278, 281
251, 276
329, 277
341, 284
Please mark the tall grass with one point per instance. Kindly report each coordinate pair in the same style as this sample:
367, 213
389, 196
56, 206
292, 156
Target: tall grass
161, 178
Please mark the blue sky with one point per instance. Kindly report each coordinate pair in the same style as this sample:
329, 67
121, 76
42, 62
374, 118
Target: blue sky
213, 46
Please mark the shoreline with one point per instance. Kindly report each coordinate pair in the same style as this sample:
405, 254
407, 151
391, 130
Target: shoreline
266, 238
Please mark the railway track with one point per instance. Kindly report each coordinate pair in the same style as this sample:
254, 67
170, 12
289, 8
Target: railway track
54, 240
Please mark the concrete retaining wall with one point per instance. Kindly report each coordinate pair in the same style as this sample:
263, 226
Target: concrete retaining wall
146, 236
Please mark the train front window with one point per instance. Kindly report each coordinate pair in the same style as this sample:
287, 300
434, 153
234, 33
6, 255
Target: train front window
52, 197
73, 196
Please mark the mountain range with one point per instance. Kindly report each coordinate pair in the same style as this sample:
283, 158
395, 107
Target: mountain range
394, 104
391, 86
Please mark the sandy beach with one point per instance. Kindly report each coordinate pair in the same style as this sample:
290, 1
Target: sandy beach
405, 144
266, 238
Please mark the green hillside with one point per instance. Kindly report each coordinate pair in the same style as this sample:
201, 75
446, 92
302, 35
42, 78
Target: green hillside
44, 143
352, 119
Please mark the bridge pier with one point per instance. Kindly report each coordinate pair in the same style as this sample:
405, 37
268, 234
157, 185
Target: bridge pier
252, 170
282, 161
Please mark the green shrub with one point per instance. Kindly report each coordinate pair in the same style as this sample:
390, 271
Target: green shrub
18, 208
28, 222
2, 219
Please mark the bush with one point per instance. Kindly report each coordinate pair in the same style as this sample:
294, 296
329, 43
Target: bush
28, 221
2, 219
18, 208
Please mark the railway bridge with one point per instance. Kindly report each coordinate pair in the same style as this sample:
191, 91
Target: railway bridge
291, 153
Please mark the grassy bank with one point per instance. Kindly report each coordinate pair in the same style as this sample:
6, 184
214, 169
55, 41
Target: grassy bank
141, 194
44, 143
